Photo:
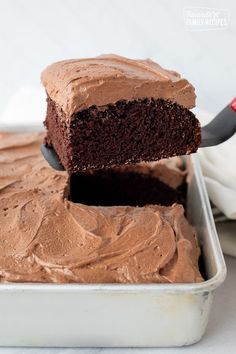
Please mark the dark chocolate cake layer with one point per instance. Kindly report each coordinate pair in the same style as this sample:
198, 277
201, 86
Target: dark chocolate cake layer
111, 187
120, 133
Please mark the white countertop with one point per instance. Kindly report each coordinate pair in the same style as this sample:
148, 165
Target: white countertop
219, 338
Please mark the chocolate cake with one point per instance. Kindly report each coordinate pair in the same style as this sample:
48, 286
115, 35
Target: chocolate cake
45, 237
116, 187
110, 110
170, 171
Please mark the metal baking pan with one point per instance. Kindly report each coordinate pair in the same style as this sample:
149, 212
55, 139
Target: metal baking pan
115, 315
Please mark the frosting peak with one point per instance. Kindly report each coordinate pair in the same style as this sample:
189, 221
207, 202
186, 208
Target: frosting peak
77, 84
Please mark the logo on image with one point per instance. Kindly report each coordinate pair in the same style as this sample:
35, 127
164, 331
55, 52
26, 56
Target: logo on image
206, 18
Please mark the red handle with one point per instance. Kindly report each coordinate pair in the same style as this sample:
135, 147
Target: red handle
233, 104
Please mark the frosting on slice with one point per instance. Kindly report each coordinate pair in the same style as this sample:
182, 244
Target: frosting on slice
78, 84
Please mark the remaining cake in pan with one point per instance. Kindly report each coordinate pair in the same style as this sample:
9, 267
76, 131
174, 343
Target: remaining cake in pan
129, 185
111, 110
47, 238
169, 171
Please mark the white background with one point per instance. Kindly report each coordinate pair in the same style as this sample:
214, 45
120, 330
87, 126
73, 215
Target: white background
34, 33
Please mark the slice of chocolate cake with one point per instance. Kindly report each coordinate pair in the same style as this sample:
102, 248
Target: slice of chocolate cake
112, 110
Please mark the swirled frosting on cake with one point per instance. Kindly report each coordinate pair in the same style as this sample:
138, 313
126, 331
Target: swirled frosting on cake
46, 238
78, 84
170, 171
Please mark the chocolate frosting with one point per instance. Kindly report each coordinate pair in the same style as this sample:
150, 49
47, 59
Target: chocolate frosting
46, 238
170, 171
81, 83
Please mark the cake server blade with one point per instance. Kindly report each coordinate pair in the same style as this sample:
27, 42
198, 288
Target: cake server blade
220, 129
51, 157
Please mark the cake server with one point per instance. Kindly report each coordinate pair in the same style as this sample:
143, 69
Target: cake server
51, 157
220, 129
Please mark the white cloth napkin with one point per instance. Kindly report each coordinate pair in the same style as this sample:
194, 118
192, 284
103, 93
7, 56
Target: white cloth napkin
219, 170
